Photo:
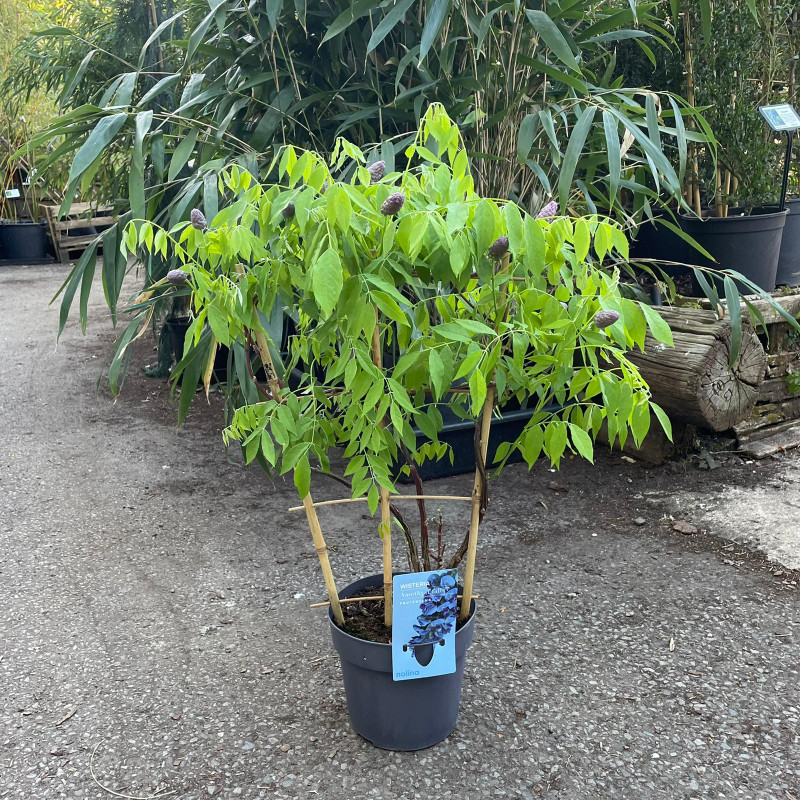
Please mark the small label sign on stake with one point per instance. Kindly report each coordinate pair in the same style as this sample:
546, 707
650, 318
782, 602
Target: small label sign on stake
424, 624
781, 117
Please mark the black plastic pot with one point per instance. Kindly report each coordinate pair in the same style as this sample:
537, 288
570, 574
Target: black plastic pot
749, 244
789, 259
397, 715
659, 242
176, 329
20, 241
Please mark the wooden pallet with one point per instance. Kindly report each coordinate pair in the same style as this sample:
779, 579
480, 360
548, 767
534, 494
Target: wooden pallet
81, 215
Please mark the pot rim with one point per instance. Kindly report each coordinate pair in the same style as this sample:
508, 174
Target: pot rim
738, 217
472, 609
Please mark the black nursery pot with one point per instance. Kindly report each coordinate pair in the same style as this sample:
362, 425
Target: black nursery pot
659, 242
749, 244
789, 259
21, 241
397, 715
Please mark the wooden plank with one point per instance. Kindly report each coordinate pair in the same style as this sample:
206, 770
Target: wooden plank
767, 414
783, 363
773, 390
80, 208
84, 222
763, 433
74, 242
789, 302
777, 443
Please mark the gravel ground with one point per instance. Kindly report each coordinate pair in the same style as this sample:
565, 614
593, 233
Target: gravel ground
155, 629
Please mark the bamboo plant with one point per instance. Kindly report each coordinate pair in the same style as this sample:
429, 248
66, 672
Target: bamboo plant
414, 293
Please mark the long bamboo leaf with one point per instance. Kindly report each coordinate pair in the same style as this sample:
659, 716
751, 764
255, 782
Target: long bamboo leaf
100, 137
387, 24
553, 38
434, 19
735, 313
577, 140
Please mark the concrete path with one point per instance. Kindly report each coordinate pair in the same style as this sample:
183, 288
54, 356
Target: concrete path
155, 634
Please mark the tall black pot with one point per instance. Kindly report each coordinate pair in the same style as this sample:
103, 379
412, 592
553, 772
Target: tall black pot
21, 241
657, 241
749, 244
397, 715
789, 259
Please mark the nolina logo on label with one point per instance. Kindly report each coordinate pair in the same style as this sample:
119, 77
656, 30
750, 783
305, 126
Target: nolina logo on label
407, 673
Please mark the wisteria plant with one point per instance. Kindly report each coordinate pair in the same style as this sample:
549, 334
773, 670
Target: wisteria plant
411, 294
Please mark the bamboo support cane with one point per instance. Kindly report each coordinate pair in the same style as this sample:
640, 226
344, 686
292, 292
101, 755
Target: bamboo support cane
322, 552
392, 498
308, 504
477, 494
386, 520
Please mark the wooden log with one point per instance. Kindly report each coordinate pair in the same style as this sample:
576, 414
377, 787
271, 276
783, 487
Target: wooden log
693, 381
656, 447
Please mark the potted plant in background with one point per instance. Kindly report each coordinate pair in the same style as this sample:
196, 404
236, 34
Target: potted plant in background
484, 302
739, 66
789, 259
22, 236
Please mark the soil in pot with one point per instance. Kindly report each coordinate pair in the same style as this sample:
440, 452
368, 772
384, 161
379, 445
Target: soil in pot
749, 244
393, 715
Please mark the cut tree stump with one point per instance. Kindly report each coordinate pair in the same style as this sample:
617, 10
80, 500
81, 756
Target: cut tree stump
693, 381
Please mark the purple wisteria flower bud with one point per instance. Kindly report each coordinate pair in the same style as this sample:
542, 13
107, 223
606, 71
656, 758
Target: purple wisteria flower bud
392, 204
549, 211
498, 248
602, 319
177, 276
197, 219
377, 170
287, 212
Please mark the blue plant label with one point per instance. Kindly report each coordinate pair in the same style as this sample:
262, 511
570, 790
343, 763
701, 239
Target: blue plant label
424, 624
